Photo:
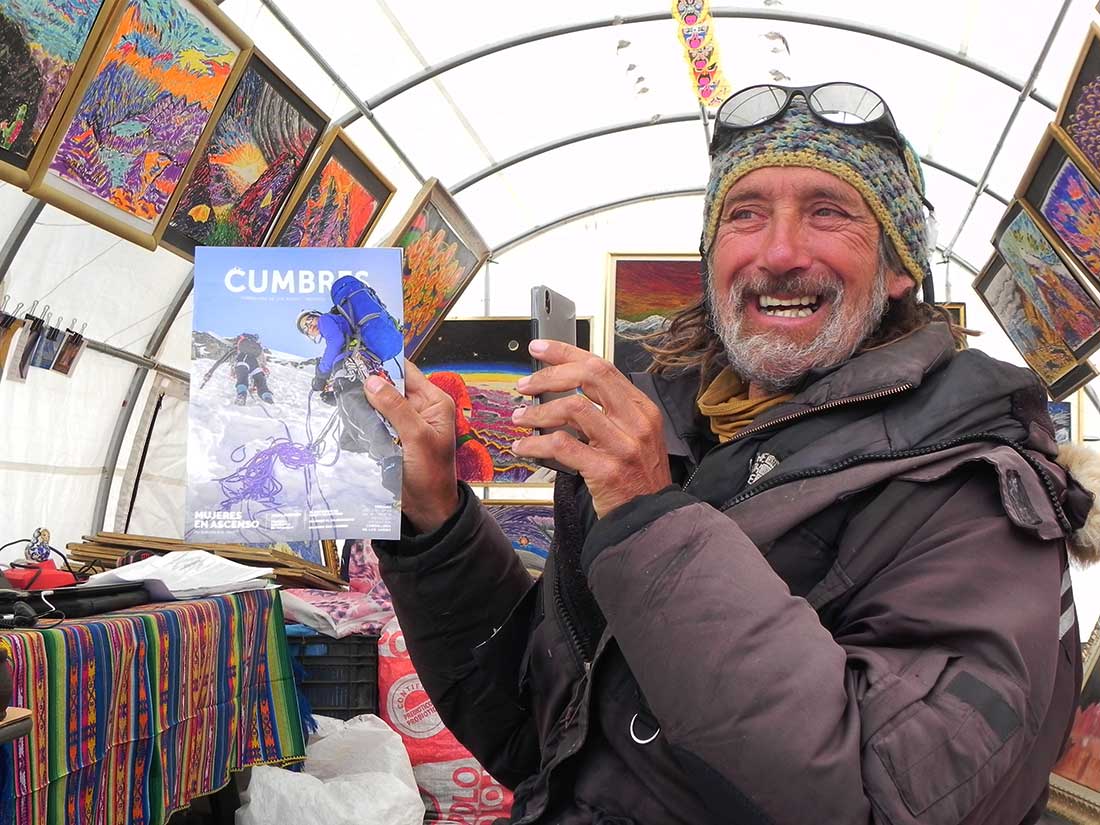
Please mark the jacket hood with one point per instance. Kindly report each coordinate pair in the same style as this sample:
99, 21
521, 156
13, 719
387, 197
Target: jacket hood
936, 395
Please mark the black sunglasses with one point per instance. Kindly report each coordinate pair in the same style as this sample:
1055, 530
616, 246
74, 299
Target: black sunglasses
847, 105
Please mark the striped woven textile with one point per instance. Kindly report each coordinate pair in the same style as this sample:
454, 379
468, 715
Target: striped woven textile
139, 712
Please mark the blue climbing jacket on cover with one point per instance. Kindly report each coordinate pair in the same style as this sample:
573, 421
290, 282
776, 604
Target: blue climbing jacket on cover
358, 318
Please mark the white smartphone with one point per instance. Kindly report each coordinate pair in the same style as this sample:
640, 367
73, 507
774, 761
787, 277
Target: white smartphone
553, 318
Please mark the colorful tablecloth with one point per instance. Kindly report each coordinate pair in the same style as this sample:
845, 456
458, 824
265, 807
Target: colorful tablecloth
139, 712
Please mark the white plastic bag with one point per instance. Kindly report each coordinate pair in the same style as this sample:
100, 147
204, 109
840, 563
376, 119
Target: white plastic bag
356, 773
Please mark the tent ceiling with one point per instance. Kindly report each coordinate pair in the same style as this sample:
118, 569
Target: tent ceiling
589, 114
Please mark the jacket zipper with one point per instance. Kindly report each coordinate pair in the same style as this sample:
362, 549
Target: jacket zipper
770, 483
785, 419
571, 630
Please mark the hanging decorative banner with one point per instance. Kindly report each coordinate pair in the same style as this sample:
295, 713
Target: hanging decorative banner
700, 49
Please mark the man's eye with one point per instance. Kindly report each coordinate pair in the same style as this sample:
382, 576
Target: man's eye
740, 214
829, 212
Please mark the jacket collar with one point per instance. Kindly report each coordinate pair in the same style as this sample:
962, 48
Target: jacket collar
905, 361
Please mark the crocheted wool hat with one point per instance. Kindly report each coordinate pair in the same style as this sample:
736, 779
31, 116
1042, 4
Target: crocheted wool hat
869, 163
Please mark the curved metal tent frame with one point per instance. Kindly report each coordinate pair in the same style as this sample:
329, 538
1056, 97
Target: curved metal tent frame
365, 107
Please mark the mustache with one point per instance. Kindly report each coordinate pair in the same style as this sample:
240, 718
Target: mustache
748, 286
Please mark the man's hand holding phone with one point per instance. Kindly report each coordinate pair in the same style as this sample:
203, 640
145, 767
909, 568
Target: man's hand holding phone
625, 455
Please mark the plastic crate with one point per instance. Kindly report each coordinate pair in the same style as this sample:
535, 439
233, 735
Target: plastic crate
341, 675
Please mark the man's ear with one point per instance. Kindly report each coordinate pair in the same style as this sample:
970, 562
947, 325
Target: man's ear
898, 284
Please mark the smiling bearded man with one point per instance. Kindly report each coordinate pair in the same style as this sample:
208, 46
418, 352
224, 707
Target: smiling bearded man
813, 567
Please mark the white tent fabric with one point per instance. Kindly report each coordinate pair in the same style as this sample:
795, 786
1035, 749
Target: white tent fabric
56, 432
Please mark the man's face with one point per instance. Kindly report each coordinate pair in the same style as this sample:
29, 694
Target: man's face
312, 328
795, 277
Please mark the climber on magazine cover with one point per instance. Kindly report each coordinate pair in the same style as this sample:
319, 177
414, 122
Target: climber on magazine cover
249, 368
359, 335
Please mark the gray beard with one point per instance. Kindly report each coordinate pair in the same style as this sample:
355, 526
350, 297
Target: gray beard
775, 363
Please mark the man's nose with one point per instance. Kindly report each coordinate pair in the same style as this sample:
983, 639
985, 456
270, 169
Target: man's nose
784, 247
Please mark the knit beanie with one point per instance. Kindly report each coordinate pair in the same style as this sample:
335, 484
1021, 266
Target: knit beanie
892, 188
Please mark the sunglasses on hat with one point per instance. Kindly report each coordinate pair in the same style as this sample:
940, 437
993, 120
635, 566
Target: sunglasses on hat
847, 105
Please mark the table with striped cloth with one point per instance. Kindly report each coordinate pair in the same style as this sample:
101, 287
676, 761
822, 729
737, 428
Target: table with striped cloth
138, 712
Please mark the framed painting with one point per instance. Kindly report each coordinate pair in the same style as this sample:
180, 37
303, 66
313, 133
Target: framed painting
1049, 280
477, 362
337, 201
1079, 113
529, 525
1060, 191
265, 136
1075, 780
443, 252
643, 293
1068, 419
957, 310
1037, 341
158, 80
45, 46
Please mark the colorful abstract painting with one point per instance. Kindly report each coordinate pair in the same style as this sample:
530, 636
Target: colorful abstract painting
259, 147
1072, 208
40, 42
151, 96
477, 362
1049, 285
438, 265
648, 292
530, 528
1026, 326
340, 204
1081, 116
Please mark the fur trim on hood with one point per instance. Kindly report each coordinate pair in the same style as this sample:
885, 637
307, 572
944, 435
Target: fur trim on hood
1083, 465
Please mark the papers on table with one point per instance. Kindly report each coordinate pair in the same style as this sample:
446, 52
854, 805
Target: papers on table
188, 574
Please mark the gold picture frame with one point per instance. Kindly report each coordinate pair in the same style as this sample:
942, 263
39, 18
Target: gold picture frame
668, 302
176, 239
957, 309
1074, 801
104, 213
421, 319
1037, 191
336, 146
1086, 71
19, 171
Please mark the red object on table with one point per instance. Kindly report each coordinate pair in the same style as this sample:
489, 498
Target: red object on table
39, 575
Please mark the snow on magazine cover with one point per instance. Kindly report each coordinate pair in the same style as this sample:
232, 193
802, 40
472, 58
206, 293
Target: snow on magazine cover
282, 443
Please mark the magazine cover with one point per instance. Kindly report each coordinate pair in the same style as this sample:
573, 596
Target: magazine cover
282, 444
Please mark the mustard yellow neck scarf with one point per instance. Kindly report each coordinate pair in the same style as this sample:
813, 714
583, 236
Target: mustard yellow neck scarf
726, 403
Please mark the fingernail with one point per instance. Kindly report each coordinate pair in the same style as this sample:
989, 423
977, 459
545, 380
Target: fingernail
515, 445
374, 384
518, 412
538, 346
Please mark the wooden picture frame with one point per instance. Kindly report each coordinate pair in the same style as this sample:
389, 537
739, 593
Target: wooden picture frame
530, 539
447, 253
1060, 189
18, 166
957, 309
337, 162
1069, 796
1046, 274
132, 202
1037, 342
1078, 111
673, 270
477, 361
213, 209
